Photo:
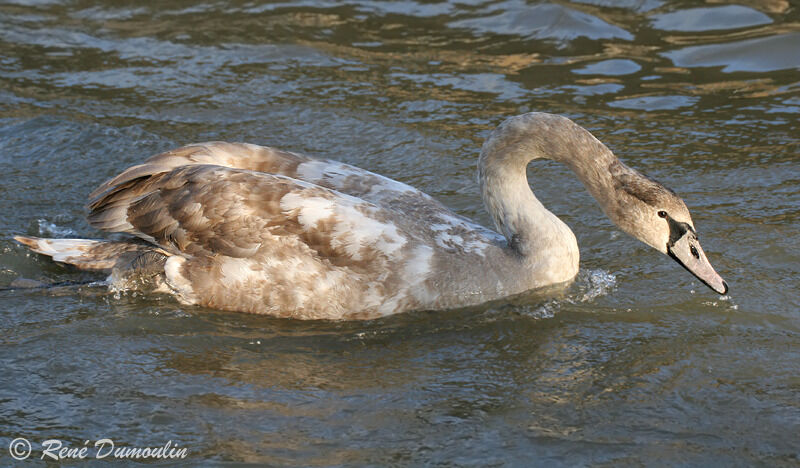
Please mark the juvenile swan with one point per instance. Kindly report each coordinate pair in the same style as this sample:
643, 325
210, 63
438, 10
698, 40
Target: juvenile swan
253, 229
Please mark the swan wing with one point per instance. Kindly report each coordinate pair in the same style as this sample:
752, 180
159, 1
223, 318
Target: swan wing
209, 210
334, 175
218, 153
267, 243
448, 230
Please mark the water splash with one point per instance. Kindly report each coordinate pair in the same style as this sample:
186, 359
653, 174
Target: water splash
542, 311
723, 301
593, 284
122, 283
48, 229
590, 285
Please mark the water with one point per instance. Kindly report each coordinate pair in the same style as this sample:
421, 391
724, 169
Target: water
637, 363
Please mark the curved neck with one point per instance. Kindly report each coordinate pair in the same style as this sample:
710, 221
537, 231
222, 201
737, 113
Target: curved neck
527, 225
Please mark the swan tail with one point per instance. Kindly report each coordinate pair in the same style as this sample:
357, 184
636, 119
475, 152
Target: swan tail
97, 255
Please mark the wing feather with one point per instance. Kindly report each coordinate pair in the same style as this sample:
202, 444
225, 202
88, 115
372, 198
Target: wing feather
234, 155
197, 212
334, 175
211, 210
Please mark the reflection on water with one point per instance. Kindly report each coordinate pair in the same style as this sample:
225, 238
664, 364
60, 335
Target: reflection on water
710, 19
636, 361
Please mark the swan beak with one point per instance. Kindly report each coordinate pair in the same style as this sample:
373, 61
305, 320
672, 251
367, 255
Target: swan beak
687, 251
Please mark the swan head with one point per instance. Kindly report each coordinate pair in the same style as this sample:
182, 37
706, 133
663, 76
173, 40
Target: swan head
658, 217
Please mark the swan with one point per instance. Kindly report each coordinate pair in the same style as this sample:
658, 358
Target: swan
247, 228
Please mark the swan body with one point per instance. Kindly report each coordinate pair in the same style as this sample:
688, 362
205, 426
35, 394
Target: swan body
253, 229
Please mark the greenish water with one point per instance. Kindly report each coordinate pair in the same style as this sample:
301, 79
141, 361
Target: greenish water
636, 364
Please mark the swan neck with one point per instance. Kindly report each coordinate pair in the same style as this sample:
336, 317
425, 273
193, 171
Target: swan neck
531, 229
528, 137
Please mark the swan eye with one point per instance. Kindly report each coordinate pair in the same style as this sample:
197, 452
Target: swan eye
693, 250
662, 214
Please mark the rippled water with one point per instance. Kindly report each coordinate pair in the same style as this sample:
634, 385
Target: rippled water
636, 364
